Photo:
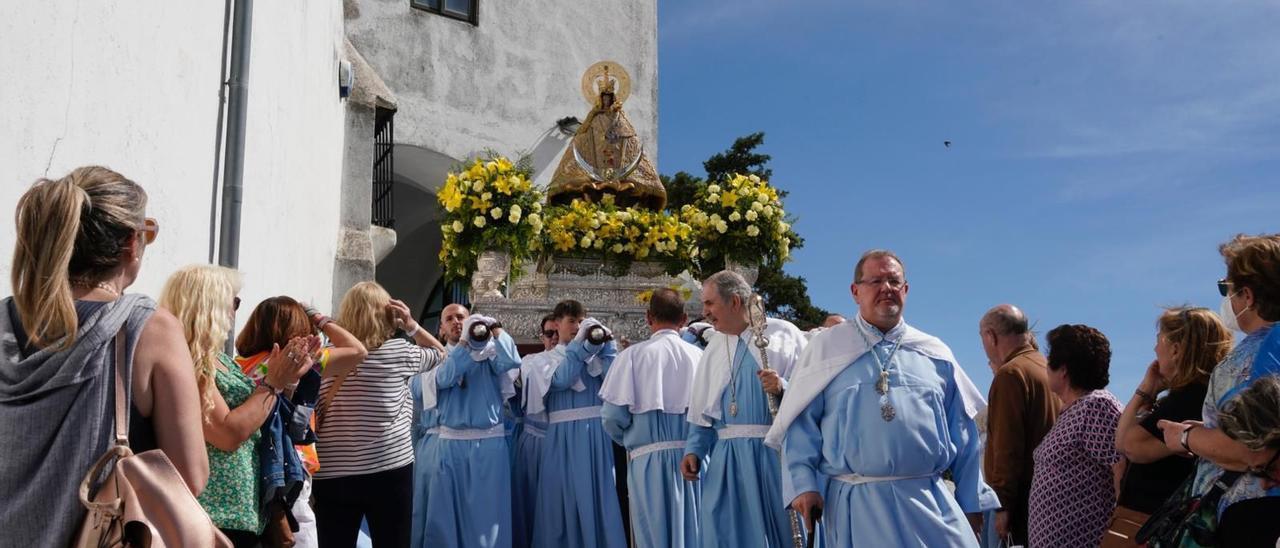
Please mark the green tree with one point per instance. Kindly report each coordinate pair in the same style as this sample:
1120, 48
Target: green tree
785, 296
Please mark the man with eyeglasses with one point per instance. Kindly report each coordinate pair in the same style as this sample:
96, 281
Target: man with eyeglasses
875, 414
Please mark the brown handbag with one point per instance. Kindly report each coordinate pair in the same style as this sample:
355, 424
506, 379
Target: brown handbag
143, 502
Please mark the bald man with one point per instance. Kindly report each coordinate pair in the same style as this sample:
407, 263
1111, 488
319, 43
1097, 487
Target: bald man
1021, 410
426, 430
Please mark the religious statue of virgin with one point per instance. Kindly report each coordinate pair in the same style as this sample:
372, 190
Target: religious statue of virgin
605, 156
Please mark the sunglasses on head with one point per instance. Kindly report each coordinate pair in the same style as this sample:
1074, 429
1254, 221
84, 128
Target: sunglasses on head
150, 229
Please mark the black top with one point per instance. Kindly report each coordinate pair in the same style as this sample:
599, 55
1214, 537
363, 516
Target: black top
1146, 486
142, 433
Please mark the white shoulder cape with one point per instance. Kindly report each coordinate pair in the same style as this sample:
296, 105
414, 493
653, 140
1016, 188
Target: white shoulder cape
655, 374
836, 348
535, 373
786, 341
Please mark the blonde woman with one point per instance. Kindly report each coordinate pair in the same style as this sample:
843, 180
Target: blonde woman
203, 299
80, 242
365, 443
1189, 343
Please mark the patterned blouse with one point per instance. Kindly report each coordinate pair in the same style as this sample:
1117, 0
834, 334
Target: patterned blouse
1228, 378
1073, 490
231, 496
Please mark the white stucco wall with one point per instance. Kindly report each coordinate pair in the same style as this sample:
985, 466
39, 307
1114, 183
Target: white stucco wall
501, 85
134, 86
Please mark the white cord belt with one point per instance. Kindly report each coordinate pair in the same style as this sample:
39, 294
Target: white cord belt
471, 434
535, 430
433, 431
655, 447
731, 431
858, 479
575, 414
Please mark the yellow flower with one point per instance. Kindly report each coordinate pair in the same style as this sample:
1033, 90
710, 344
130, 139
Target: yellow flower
478, 221
617, 248
729, 199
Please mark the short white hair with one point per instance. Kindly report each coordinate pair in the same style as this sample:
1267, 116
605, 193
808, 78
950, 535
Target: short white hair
730, 284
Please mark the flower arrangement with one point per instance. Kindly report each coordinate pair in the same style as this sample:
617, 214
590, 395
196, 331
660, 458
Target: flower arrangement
619, 236
490, 204
741, 219
645, 296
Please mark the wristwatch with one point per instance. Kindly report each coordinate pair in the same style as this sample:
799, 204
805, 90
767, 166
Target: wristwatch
1185, 435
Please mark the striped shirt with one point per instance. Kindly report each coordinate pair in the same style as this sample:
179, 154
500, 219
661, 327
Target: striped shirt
368, 428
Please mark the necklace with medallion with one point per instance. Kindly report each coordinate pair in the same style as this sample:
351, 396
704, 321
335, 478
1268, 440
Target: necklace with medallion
887, 411
733, 379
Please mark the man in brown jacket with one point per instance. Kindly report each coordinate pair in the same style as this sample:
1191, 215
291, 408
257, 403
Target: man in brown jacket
1021, 410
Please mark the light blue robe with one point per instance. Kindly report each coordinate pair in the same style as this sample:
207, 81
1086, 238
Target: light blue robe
577, 500
842, 432
742, 484
463, 507
664, 507
524, 484
426, 460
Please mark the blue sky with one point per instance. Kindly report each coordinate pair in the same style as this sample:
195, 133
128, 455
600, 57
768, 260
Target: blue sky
1101, 150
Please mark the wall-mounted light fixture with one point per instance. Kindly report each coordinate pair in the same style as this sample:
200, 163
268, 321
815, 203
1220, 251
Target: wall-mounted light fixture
569, 125
346, 79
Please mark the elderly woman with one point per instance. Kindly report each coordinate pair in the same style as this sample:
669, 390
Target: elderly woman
1252, 419
80, 244
1251, 304
366, 443
1073, 487
203, 298
1189, 343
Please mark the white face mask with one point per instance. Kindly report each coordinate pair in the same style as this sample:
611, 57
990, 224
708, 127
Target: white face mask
1229, 316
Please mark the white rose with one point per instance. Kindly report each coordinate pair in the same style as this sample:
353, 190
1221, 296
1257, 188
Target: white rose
735, 216
477, 186
753, 231
496, 213
478, 221
722, 227
486, 196
756, 206
713, 189
617, 248
752, 215
457, 226
586, 242
768, 211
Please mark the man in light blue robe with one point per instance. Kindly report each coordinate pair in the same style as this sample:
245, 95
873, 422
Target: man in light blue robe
742, 502
468, 502
577, 501
426, 425
528, 459
646, 396
876, 412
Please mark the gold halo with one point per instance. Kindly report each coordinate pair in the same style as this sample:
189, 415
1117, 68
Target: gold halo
596, 72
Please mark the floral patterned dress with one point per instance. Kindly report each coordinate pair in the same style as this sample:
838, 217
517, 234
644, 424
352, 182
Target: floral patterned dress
231, 496
1072, 490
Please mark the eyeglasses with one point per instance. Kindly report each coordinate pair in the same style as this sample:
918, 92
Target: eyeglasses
548, 333
1264, 472
895, 284
150, 229
235, 303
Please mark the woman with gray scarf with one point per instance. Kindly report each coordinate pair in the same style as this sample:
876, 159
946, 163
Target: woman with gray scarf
80, 242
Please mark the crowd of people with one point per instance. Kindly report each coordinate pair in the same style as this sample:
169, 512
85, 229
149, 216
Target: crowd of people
734, 430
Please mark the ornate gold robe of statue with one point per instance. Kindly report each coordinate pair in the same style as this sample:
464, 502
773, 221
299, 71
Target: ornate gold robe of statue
606, 156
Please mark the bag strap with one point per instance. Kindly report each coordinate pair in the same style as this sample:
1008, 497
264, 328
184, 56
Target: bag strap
329, 397
122, 398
